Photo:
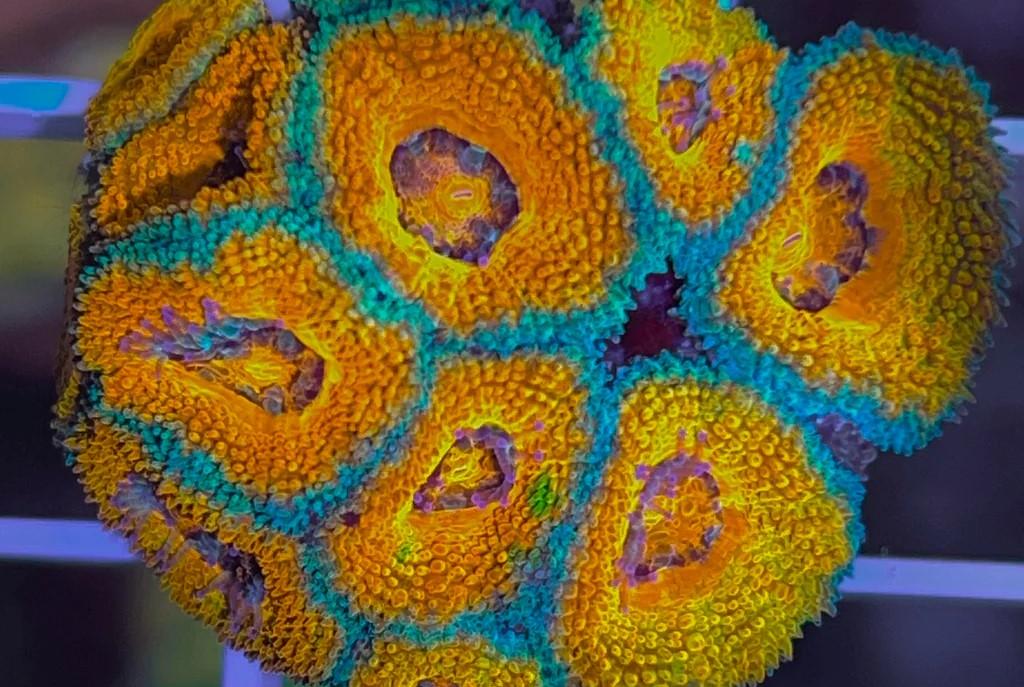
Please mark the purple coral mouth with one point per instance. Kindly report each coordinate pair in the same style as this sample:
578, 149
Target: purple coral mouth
422, 164
684, 101
438, 493
639, 561
827, 275
222, 337
241, 578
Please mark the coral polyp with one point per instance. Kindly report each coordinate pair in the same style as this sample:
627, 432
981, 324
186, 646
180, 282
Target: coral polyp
720, 524
447, 344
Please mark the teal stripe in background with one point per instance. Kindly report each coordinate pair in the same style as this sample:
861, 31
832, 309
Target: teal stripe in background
33, 94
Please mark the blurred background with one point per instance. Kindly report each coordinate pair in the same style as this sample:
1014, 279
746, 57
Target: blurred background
962, 497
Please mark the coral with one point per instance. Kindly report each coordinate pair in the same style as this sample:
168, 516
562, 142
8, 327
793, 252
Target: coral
714, 539
167, 53
217, 147
278, 391
695, 83
891, 216
452, 664
453, 344
460, 519
248, 585
570, 236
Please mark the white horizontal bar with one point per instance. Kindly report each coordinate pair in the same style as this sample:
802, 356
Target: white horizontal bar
936, 579
1012, 137
52, 107
74, 541
61, 541
238, 671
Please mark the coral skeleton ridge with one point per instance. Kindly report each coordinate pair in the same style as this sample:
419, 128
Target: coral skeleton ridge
426, 343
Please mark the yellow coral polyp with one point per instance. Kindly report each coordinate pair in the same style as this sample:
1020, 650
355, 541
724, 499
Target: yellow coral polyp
216, 148
165, 55
461, 663
728, 612
368, 375
435, 563
647, 40
290, 634
910, 321
486, 85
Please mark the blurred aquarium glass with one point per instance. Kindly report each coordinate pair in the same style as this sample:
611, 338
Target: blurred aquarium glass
109, 626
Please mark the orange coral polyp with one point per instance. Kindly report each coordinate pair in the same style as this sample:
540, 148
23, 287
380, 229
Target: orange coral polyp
910, 322
485, 85
368, 375
285, 630
648, 37
435, 562
779, 539
165, 55
216, 148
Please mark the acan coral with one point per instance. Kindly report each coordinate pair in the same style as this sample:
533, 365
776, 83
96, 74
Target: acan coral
459, 344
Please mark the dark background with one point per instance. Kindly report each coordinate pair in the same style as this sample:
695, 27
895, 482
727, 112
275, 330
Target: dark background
962, 497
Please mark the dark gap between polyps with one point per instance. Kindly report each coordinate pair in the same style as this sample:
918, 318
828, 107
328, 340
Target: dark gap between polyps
654, 325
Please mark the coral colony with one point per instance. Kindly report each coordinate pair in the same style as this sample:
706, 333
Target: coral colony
458, 344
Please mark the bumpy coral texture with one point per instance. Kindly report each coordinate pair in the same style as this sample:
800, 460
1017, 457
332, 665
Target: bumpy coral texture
448, 344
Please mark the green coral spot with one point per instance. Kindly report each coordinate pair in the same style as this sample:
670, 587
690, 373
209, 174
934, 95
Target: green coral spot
404, 552
541, 495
